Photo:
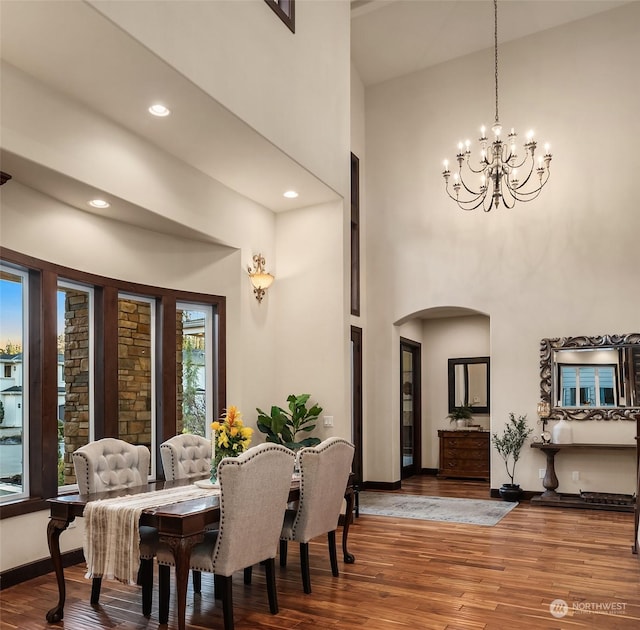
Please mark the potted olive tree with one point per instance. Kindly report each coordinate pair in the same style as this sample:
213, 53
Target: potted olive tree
509, 445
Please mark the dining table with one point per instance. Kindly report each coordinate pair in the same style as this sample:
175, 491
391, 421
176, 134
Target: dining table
180, 524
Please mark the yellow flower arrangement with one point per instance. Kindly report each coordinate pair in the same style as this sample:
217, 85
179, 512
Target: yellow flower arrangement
230, 435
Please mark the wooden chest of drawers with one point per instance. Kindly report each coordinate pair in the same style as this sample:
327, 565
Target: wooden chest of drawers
464, 454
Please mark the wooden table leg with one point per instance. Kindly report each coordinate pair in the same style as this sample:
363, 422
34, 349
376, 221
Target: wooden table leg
181, 548
636, 516
550, 481
349, 496
636, 522
54, 529
636, 510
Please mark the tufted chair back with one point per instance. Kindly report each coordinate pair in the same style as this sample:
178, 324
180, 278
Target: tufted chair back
185, 456
324, 473
254, 489
111, 464
254, 492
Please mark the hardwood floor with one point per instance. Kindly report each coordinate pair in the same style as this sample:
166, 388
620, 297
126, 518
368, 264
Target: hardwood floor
408, 574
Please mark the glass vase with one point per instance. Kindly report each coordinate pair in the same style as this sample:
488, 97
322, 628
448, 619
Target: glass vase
215, 460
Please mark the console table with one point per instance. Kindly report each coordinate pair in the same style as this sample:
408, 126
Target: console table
552, 498
464, 454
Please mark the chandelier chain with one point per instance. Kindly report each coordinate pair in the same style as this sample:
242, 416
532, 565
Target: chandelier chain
506, 175
495, 48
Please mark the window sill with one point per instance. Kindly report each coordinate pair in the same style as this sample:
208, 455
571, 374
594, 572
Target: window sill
23, 506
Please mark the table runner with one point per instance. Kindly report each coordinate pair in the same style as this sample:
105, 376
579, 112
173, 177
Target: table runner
112, 530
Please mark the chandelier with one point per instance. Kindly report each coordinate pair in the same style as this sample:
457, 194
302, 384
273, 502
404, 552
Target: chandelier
503, 174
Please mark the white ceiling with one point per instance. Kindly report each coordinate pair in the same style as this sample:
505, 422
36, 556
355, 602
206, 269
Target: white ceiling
73, 49
391, 38
56, 43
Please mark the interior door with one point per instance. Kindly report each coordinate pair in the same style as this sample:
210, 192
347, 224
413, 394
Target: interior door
356, 401
410, 405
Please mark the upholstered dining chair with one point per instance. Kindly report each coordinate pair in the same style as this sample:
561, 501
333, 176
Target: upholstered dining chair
254, 488
185, 456
324, 472
112, 464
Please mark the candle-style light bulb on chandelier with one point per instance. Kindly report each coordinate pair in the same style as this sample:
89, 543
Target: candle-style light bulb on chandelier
502, 174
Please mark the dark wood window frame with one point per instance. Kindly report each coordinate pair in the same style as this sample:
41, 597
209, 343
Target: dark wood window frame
42, 377
286, 11
355, 235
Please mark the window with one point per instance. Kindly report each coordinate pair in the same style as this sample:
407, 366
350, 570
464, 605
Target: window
75, 351
14, 352
285, 10
355, 235
136, 371
104, 363
588, 385
194, 335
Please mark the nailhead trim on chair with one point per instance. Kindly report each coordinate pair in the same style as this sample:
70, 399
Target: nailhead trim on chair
86, 466
232, 461
326, 444
188, 456
228, 461
116, 464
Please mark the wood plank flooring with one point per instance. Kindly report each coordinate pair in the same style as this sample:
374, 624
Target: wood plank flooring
408, 574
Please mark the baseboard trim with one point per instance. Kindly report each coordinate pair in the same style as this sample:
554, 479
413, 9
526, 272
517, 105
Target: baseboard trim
26, 572
526, 494
381, 485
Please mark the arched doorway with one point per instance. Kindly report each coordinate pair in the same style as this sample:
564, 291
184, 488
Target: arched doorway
441, 334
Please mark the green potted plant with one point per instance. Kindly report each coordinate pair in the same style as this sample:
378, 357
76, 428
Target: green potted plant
509, 445
283, 426
461, 416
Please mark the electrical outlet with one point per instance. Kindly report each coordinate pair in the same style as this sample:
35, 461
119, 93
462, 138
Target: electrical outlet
541, 473
328, 421
575, 475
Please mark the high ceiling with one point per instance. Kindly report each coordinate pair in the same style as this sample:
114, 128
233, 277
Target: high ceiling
54, 42
391, 38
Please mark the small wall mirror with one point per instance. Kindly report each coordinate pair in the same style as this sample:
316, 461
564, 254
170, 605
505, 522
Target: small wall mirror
591, 378
469, 384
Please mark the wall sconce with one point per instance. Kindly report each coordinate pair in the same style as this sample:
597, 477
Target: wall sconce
260, 279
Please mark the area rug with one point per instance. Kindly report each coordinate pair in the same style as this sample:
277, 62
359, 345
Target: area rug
450, 510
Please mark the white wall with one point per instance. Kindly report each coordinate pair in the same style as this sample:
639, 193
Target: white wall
311, 328
293, 89
358, 148
565, 264
296, 339
444, 339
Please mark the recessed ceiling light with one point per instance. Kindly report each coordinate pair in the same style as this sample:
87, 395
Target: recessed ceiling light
290, 194
159, 110
99, 203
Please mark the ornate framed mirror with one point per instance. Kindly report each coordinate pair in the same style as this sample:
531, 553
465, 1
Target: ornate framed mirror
591, 378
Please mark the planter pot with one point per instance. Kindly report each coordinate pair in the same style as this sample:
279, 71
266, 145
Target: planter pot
462, 423
510, 492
